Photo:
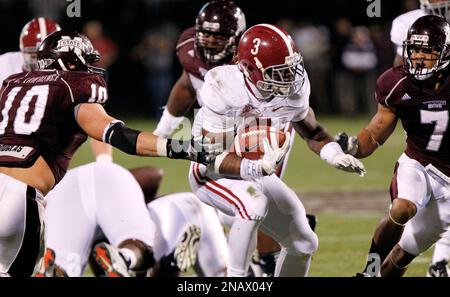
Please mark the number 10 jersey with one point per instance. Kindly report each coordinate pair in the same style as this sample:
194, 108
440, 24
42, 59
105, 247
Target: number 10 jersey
37, 116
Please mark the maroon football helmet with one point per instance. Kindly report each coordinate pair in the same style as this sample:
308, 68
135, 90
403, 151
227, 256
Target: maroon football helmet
218, 27
269, 58
427, 34
31, 36
68, 51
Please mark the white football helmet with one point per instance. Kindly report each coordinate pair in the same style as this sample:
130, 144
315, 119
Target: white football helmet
437, 7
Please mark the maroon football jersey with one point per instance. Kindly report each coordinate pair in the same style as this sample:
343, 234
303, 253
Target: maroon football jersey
424, 114
37, 116
189, 56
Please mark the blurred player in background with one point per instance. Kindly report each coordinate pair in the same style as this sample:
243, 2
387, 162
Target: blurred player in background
210, 43
46, 115
31, 36
417, 93
269, 82
400, 25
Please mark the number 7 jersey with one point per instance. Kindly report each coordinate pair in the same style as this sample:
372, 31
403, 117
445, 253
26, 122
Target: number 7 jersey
424, 114
37, 116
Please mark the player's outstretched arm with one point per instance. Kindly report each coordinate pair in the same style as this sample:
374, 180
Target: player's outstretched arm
94, 120
371, 137
323, 144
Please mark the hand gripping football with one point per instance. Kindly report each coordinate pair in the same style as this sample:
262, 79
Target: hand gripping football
248, 143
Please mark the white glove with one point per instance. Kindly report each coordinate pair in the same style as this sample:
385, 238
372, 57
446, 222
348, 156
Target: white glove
274, 154
333, 155
348, 163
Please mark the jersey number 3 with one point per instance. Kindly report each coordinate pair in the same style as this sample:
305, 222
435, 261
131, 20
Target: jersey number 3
28, 117
440, 119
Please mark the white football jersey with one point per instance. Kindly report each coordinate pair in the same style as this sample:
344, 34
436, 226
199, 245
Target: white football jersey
401, 25
227, 100
10, 63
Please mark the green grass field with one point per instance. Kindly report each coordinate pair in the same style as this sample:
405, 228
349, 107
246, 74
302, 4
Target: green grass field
343, 237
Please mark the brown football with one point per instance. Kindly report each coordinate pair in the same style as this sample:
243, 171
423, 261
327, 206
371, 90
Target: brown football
248, 143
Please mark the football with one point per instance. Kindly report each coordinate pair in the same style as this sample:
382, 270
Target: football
248, 142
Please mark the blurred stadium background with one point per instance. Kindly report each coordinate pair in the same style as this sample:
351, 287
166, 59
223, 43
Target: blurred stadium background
137, 39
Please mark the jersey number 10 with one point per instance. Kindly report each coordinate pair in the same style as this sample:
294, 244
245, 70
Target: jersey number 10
24, 122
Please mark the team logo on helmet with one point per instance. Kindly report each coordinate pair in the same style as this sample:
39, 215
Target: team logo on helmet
67, 44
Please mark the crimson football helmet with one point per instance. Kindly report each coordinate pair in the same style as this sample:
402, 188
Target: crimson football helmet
218, 27
436, 7
31, 36
428, 34
270, 60
68, 51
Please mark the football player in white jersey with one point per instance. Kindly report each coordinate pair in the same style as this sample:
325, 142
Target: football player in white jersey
103, 199
268, 82
182, 230
26, 59
403, 22
211, 43
400, 25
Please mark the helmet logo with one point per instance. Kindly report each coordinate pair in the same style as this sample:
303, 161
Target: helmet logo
67, 44
423, 39
254, 51
208, 26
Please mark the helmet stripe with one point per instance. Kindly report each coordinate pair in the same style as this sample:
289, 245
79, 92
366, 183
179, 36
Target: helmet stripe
284, 36
42, 28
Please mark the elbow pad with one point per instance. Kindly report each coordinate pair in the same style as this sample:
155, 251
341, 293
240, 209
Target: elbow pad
121, 137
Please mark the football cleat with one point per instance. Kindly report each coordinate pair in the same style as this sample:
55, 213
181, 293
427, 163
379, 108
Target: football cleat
110, 260
439, 269
185, 253
47, 266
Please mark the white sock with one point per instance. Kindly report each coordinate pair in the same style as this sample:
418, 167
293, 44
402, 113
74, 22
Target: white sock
129, 256
292, 265
241, 243
441, 251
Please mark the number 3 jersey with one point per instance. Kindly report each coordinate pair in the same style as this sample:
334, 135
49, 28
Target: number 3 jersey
229, 101
424, 114
37, 116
